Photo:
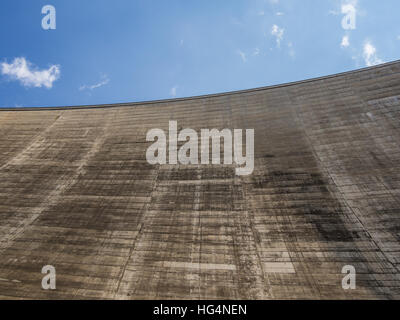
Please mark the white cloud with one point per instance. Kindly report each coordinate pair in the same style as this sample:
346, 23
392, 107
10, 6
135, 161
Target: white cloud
279, 13
370, 55
173, 91
278, 33
345, 42
292, 53
104, 80
256, 52
242, 55
28, 75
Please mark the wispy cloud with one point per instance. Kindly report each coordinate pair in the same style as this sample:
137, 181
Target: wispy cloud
173, 91
370, 55
242, 55
292, 53
104, 80
345, 42
278, 33
29, 75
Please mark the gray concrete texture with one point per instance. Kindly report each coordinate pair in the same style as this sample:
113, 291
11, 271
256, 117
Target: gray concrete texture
76, 192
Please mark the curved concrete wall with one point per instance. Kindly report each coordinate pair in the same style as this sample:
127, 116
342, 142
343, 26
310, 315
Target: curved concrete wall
76, 192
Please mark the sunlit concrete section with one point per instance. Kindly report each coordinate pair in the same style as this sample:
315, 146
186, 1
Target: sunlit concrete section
77, 193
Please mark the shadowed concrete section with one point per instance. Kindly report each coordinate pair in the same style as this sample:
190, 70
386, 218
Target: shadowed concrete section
76, 192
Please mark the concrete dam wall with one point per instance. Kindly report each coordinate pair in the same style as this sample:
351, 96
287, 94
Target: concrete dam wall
77, 193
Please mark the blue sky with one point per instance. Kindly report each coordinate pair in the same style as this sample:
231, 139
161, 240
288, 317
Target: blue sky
124, 50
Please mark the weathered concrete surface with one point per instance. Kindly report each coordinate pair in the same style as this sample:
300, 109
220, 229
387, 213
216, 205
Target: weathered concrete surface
77, 193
